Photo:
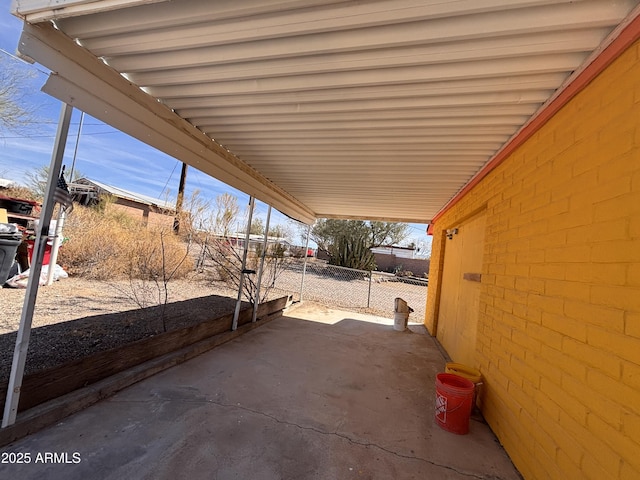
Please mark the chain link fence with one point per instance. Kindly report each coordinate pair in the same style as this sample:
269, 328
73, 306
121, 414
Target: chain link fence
359, 290
284, 268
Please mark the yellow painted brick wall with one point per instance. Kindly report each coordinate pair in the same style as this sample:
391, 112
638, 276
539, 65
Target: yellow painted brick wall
559, 326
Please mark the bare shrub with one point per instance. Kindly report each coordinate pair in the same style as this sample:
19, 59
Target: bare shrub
154, 254
108, 244
18, 191
153, 263
226, 257
95, 246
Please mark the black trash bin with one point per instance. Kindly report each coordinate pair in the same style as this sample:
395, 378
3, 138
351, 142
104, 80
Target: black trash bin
10, 238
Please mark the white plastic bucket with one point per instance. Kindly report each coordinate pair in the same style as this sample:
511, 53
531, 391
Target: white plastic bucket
400, 320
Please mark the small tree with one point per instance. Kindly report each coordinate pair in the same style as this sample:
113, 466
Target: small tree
226, 213
349, 242
16, 83
281, 231
37, 179
163, 271
210, 224
257, 227
223, 252
154, 260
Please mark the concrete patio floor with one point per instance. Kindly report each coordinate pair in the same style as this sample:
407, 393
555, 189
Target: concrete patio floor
316, 394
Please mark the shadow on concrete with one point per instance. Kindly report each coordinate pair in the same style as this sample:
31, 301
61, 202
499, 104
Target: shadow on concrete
316, 394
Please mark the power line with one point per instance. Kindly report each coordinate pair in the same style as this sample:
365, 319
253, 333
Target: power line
53, 122
168, 179
53, 136
27, 64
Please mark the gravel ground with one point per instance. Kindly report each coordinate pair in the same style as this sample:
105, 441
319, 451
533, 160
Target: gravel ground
74, 318
337, 287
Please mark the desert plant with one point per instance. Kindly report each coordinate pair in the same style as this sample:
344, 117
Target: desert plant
96, 244
18, 191
349, 241
226, 213
155, 260
352, 253
110, 245
104, 202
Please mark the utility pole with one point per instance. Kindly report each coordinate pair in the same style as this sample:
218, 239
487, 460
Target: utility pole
183, 181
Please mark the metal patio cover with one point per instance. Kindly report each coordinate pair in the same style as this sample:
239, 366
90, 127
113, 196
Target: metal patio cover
375, 110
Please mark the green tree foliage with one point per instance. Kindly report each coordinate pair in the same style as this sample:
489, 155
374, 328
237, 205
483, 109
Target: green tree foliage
349, 242
257, 227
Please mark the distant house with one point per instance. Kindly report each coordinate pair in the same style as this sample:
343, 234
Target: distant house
151, 211
257, 241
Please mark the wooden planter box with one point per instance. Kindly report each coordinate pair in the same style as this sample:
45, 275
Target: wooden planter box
52, 383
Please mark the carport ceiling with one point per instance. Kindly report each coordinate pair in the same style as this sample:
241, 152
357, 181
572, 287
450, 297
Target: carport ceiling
377, 110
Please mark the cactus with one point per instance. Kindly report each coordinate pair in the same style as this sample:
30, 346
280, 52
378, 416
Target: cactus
352, 253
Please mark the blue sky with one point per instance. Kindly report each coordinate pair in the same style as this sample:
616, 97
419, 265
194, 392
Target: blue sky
103, 153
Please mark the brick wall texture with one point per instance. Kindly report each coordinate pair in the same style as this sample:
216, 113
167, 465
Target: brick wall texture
558, 339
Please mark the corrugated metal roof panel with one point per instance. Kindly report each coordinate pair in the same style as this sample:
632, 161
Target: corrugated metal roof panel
122, 193
343, 109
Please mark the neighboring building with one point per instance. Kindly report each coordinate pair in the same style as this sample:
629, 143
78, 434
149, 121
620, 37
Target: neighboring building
151, 211
394, 258
256, 241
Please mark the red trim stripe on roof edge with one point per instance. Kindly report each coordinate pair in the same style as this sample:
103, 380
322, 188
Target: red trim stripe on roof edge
626, 36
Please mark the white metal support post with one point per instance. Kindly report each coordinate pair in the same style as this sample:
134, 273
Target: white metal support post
42, 235
304, 267
265, 245
57, 241
62, 214
236, 314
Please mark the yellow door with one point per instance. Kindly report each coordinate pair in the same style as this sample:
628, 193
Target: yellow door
460, 295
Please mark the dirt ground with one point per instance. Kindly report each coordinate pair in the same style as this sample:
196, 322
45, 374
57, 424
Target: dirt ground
75, 317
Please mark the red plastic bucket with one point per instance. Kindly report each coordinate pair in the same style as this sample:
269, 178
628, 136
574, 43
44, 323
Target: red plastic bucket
454, 401
47, 251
